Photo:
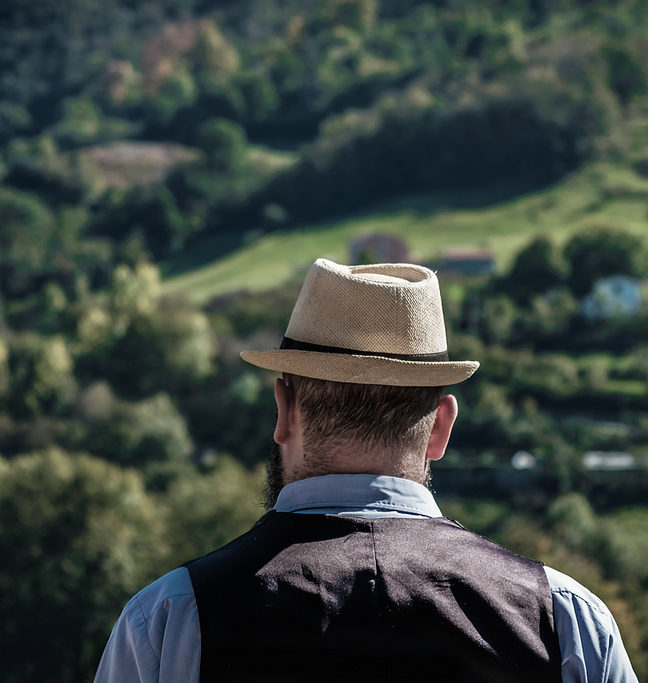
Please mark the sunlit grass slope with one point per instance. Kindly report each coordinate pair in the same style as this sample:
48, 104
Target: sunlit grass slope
601, 194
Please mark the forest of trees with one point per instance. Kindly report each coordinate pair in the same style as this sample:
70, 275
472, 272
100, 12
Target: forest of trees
133, 132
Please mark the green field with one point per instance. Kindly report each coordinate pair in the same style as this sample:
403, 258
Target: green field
601, 194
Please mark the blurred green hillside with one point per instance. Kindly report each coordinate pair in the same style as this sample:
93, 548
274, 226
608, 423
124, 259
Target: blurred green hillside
601, 194
180, 126
168, 171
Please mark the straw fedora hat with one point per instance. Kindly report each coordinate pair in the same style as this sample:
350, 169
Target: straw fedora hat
370, 324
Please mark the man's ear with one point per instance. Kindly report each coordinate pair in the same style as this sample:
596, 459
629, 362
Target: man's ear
285, 400
445, 418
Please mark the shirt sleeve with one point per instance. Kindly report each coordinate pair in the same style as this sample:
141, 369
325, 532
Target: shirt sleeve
157, 636
590, 643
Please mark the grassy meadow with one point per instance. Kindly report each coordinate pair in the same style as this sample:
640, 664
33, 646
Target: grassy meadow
599, 195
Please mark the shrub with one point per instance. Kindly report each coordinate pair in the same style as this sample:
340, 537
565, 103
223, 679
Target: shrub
77, 537
41, 375
601, 251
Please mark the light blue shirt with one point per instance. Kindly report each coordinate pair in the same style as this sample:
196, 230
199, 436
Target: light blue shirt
157, 636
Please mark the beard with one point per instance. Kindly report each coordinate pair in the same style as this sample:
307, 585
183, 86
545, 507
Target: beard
275, 479
274, 476
427, 480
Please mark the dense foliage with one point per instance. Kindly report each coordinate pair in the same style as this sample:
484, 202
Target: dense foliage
132, 436
299, 110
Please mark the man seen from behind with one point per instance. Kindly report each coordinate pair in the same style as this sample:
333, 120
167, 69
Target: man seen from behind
354, 574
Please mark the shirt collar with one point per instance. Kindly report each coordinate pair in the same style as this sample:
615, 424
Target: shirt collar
357, 492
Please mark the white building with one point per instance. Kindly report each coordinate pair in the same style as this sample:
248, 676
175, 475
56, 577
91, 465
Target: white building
614, 296
523, 460
608, 460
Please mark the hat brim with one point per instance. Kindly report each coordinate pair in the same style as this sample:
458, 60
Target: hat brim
360, 369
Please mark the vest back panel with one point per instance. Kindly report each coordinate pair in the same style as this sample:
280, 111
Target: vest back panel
330, 598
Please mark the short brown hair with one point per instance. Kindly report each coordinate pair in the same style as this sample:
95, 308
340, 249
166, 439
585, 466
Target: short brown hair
385, 417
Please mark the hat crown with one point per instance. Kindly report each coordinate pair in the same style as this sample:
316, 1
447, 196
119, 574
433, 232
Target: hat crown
387, 308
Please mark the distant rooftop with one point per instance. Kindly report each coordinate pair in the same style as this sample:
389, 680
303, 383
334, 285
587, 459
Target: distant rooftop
468, 254
468, 260
379, 248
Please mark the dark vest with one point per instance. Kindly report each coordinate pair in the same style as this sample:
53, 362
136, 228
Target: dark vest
324, 598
